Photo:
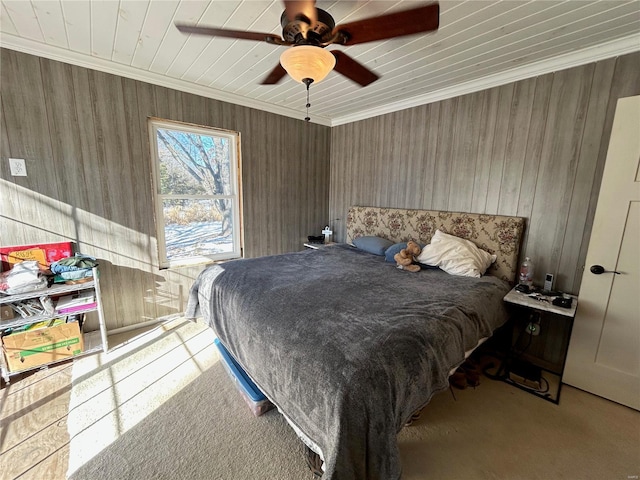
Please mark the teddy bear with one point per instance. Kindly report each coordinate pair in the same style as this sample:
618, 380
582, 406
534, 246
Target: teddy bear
405, 258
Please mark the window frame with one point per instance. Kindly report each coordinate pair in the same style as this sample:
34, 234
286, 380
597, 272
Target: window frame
235, 197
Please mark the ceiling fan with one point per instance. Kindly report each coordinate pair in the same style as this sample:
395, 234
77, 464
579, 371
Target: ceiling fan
307, 30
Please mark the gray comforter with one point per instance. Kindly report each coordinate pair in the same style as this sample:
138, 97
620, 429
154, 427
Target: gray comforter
345, 344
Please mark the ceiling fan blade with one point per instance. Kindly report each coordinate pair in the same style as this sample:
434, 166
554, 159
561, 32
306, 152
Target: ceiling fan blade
353, 70
274, 76
398, 24
296, 9
223, 32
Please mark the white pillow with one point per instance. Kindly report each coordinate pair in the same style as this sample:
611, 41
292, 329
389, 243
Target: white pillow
455, 255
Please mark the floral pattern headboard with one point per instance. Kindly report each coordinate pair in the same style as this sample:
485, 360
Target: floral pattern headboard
497, 234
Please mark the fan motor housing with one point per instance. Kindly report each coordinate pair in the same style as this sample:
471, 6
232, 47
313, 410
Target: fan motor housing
294, 31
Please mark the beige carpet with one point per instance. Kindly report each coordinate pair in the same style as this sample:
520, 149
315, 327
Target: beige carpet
162, 407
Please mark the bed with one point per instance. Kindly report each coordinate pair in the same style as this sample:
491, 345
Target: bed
348, 346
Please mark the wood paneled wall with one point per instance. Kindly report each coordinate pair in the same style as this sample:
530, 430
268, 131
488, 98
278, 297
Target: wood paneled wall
84, 137
534, 148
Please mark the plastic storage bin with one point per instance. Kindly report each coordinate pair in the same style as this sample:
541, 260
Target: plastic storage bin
256, 400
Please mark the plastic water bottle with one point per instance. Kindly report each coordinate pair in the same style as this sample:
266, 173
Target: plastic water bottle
526, 272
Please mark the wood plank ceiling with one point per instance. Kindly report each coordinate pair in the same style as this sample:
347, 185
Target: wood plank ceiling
480, 44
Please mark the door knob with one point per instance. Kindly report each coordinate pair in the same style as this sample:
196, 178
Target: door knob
599, 269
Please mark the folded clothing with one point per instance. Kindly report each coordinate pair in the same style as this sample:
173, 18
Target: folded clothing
23, 277
75, 263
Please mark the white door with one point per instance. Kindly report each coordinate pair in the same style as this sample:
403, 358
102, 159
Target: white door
604, 352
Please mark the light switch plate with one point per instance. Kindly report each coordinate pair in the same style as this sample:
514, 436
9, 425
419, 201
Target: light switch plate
18, 167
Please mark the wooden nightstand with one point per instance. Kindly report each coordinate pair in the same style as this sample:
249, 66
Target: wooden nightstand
531, 316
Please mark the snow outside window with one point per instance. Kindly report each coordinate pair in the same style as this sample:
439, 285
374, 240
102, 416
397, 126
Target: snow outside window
196, 180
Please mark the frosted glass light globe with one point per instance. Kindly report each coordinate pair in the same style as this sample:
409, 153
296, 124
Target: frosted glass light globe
307, 61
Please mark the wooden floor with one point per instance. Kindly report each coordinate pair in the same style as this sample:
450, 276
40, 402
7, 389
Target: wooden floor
34, 443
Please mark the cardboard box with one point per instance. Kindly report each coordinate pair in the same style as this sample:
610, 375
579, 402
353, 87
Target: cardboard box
32, 348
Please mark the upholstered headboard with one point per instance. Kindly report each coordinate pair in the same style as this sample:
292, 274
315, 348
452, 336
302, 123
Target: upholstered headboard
497, 234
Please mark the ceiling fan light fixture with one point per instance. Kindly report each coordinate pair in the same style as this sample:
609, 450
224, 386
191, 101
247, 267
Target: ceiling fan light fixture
307, 61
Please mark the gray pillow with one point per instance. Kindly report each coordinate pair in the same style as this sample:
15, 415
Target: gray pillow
395, 248
392, 250
375, 245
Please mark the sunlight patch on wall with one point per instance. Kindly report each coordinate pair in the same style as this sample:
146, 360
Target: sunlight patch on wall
34, 217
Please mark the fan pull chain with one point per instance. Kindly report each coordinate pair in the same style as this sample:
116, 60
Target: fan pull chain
307, 82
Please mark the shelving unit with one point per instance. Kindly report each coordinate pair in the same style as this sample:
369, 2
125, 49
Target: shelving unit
93, 341
522, 306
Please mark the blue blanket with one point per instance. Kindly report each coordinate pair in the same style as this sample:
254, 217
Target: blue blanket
345, 344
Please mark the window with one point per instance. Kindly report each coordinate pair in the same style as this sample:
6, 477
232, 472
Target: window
196, 178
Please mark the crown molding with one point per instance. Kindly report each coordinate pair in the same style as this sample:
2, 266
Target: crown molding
587, 55
596, 53
63, 55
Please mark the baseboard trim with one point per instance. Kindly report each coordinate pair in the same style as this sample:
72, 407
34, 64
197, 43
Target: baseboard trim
150, 323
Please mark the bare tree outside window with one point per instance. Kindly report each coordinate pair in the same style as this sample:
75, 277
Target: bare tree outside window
196, 185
